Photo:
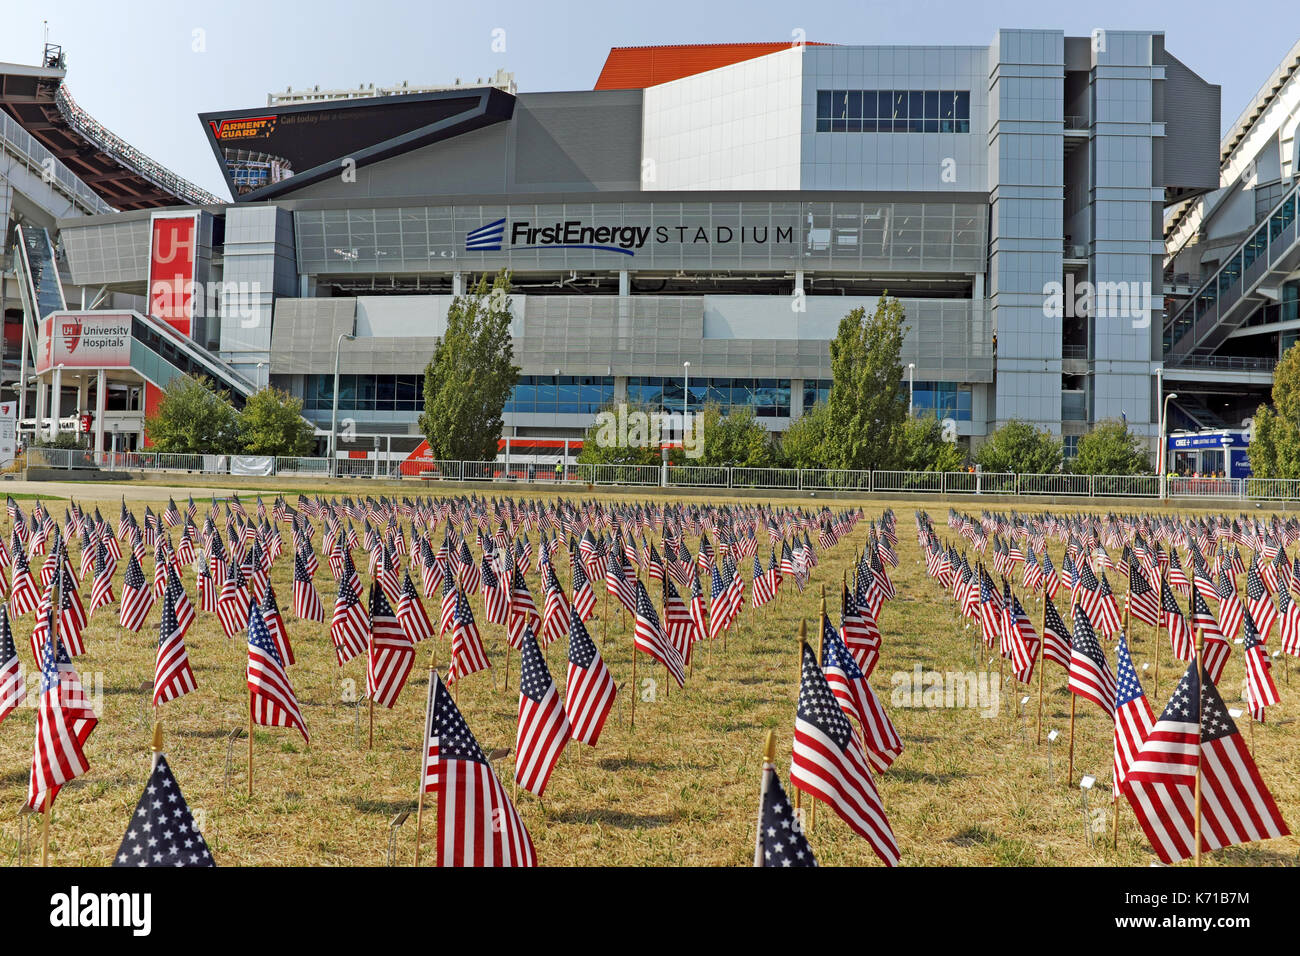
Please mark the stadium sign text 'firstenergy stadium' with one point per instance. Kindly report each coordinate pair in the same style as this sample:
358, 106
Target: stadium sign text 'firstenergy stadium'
574, 234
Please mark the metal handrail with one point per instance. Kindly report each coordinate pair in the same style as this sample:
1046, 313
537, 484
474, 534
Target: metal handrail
1292, 194
128, 155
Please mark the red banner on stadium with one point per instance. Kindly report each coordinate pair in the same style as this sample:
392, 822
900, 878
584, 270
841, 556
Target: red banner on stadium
173, 256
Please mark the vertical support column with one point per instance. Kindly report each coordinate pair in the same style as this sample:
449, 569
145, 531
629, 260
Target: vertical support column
56, 390
83, 392
41, 405
623, 341
101, 405
457, 283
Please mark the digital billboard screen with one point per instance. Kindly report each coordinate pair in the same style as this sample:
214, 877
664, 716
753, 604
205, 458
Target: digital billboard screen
262, 151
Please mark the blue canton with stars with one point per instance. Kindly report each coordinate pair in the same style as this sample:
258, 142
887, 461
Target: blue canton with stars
1128, 689
582, 649
817, 703
534, 678
162, 832
780, 834
455, 742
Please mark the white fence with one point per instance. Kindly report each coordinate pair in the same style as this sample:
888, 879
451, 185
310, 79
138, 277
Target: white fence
695, 476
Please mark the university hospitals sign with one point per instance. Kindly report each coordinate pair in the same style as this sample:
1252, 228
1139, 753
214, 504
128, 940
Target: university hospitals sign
89, 340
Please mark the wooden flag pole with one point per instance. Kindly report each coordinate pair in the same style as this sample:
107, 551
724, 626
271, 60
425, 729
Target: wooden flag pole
769, 760
157, 743
250, 743
1042, 641
1069, 776
798, 687
1200, 676
424, 757
632, 696
44, 830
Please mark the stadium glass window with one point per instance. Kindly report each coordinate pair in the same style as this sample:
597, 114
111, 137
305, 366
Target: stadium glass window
365, 393
560, 395
768, 397
815, 391
945, 399
893, 111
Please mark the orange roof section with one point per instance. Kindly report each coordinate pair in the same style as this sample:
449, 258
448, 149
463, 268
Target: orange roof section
636, 67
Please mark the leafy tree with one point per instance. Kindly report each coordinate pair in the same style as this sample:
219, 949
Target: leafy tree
621, 435
194, 418
471, 375
919, 446
272, 424
867, 403
1021, 448
802, 443
737, 439
1111, 449
1275, 445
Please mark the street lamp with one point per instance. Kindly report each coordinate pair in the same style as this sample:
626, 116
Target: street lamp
686, 398
334, 415
911, 386
1164, 421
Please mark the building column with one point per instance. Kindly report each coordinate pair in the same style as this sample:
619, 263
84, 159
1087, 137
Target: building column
796, 399
56, 390
42, 397
101, 405
457, 283
624, 338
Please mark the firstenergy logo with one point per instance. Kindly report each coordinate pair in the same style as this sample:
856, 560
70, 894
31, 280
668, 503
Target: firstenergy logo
625, 240
562, 235
486, 238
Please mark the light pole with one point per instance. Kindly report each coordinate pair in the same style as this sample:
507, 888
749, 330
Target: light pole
334, 415
911, 387
686, 399
1164, 420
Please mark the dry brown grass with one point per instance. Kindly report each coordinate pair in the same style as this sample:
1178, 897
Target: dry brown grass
679, 790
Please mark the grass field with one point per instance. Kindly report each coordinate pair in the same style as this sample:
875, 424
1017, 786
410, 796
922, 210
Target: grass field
681, 789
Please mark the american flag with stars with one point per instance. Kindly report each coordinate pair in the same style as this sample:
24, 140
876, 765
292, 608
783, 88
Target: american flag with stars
477, 823
543, 727
589, 688
162, 831
780, 840
828, 762
1195, 731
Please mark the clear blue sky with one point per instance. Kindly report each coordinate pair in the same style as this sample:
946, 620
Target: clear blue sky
133, 67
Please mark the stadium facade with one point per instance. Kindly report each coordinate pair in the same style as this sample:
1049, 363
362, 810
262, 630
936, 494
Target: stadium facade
1046, 207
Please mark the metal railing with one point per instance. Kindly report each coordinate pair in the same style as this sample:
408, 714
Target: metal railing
44, 160
698, 476
85, 124
811, 480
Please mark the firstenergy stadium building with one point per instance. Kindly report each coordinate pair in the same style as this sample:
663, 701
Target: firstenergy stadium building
718, 205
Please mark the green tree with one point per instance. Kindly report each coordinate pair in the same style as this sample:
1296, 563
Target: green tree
1111, 449
802, 443
272, 424
1275, 445
867, 400
620, 435
737, 439
919, 446
1021, 448
194, 418
471, 375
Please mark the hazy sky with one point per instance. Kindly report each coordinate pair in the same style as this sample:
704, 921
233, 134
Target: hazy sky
141, 69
